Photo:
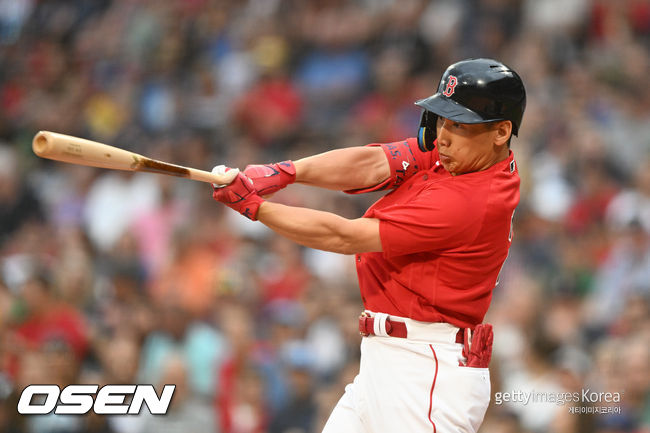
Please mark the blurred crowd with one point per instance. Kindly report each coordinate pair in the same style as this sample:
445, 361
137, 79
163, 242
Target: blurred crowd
113, 278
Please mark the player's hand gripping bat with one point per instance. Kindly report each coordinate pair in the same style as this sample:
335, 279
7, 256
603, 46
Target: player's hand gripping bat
75, 150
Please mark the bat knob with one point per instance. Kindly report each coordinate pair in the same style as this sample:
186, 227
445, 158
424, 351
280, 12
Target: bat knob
225, 175
231, 175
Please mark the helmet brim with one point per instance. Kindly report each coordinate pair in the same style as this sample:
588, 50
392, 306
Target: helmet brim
450, 109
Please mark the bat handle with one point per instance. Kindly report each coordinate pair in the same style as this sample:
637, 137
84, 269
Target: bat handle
216, 178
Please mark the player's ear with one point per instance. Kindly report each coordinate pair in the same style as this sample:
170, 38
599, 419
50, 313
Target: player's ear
503, 132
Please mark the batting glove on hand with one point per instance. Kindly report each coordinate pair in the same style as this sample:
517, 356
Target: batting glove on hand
239, 195
271, 178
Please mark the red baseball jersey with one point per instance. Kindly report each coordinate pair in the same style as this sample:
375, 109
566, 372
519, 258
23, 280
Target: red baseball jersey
444, 238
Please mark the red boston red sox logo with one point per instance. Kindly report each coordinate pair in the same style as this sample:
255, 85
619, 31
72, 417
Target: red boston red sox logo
451, 86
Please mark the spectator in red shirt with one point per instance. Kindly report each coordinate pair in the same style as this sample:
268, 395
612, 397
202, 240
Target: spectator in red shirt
48, 319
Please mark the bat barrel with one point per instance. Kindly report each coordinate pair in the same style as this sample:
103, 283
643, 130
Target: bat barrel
41, 143
75, 150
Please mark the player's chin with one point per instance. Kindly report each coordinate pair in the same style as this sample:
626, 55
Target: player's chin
448, 164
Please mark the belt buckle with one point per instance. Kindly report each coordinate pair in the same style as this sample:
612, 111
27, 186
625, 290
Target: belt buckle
363, 321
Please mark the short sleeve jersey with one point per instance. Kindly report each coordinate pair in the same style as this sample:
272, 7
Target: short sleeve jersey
444, 239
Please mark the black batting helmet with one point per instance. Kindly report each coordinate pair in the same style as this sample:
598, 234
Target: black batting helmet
473, 91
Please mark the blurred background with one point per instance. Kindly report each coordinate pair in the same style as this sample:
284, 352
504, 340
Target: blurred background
111, 277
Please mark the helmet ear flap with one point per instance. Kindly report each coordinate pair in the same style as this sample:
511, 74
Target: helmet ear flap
427, 132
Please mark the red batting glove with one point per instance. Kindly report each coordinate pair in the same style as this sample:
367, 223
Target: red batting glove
271, 178
239, 195
480, 351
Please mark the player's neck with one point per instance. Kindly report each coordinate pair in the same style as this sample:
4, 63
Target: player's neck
502, 155
496, 158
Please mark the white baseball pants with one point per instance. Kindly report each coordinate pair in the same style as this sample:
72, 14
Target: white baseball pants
413, 385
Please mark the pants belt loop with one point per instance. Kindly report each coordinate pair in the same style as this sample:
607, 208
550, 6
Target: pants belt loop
380, 324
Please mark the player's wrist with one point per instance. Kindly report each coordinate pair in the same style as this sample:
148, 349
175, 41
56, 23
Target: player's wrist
250, 208
287, 171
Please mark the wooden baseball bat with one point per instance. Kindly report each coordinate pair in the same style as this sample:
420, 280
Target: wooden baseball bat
75, 150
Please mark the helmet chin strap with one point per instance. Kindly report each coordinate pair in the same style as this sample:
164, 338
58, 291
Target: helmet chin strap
427, 131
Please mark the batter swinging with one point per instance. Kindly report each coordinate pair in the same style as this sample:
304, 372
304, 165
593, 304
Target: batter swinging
428, 253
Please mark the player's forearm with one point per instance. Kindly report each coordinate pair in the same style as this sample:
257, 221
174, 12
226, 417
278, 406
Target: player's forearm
344, 169
321, 230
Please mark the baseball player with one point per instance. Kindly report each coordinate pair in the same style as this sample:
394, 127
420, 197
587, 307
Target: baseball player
428, 253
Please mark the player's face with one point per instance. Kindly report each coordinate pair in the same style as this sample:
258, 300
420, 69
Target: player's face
465, 148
